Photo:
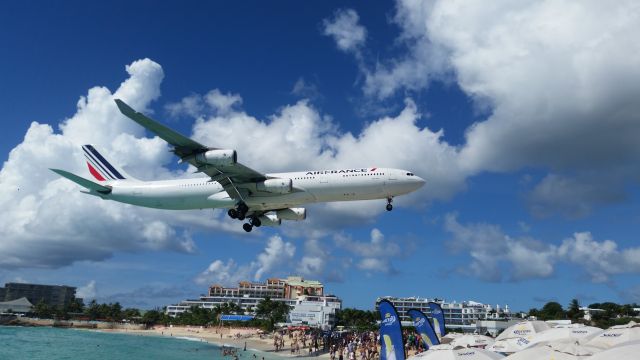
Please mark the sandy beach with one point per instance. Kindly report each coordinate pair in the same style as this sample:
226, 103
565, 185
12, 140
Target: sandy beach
235, 337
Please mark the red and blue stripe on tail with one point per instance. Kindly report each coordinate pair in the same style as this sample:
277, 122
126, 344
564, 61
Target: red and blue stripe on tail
99, 167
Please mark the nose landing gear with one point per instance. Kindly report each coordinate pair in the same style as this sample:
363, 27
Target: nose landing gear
389, 206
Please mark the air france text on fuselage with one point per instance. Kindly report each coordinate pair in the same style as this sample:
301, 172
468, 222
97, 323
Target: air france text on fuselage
338, 171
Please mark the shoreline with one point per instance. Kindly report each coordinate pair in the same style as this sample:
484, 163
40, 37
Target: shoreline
224, 337
220, 336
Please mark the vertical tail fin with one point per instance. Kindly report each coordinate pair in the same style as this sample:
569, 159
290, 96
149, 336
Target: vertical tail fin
101, 168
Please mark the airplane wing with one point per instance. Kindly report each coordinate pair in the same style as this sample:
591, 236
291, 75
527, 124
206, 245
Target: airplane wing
229, 176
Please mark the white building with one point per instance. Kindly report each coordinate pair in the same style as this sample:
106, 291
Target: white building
18, 306
309, 305
462, 316
588, 312
316, 311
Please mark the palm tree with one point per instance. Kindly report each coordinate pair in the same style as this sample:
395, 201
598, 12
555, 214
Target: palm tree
574, 309
272, 311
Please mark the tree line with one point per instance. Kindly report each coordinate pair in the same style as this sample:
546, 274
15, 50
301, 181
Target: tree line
92, 311
267, 313
612, 314
356, 319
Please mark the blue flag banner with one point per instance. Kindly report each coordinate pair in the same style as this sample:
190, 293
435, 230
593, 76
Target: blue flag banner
438, 318
236, 317
390, 332
424, 328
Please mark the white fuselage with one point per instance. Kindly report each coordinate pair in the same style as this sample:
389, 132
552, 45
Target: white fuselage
309, 187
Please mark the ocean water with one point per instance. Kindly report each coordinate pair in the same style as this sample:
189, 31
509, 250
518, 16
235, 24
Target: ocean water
35, 343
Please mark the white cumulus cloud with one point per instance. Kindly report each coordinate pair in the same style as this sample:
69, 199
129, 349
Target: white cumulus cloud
87, 292
48, 222
497, 256
344, 28
374, 255
599, 259
276, 256
223, 273
559, 81
277, 252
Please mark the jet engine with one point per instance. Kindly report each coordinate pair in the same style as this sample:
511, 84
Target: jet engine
292, 214
275, 186
218, 157
269, 220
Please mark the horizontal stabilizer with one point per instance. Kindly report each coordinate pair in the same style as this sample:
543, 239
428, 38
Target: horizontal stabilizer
83, 182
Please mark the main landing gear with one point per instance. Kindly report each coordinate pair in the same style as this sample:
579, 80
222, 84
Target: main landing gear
240, 213
389, 206
253, 222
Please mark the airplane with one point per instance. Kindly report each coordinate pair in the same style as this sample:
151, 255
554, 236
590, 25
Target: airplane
263, 199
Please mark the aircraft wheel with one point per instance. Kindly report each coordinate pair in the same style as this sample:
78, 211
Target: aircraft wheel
247, 227
241, 216
389, 207
256, 222
243, 208
233, 213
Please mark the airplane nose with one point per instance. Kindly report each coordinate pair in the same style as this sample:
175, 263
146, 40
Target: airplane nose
420, 182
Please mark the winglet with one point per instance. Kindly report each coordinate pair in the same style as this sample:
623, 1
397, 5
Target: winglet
105, 190
125, 109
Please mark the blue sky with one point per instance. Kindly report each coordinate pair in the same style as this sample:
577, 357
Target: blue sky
527, 139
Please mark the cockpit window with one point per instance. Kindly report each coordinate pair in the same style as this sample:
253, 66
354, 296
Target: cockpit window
409, 174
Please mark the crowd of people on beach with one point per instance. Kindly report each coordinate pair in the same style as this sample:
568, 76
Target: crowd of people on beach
299, 340
341, 345
354, 346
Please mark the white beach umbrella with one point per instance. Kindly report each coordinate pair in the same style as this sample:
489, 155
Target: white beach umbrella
523, 329
435, 353
452, 335
575, 325
449, 338
616, 335
472, 340
624, 351
509, 346
571, 350
560, 333
631, 324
